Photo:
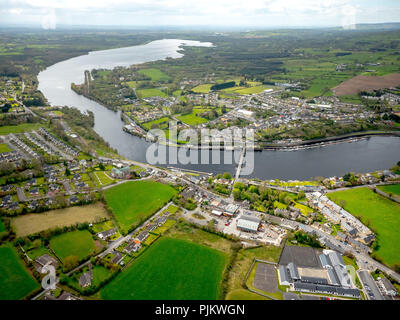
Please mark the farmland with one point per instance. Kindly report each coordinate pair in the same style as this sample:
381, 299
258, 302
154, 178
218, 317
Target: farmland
197, 275
135, 201
367, 83
202, 88
32, 223
151, 92
76, 243
15, 281
379, 213
154, 74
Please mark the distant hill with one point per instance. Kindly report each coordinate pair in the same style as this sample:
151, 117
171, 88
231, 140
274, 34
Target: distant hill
378, 26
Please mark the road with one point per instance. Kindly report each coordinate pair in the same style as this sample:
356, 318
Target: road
371, 289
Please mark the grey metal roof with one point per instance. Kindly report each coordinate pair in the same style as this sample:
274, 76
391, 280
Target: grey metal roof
283, 275
333, 277
294, 273
342, 275
314, 280
301, 286
325, 261
336, 258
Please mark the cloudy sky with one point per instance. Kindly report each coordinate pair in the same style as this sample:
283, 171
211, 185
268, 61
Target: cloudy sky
261, 13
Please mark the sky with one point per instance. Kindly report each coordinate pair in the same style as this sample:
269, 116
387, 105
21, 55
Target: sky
233, 13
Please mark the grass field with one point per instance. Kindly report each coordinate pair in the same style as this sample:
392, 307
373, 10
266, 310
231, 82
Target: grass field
152, 92
76, 243
202, 88
193, 119
135, 201
15, 281
155, 74
251, 90
37, 222
2, 227
394, 189
380, 213
4, 148
19, 128
184, 271
162, 122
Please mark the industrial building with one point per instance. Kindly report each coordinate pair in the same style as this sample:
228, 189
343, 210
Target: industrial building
248, 223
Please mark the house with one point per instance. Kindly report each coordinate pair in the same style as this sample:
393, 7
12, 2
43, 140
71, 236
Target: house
31, 182
132, 247
80, 184
14, 206
54, 187
142, 236
6, 188
106, 234
33, 204
85, 279
151, 227
117, 257
73, 199
43, 260
6, 200
387, 287
369, 239
34, 192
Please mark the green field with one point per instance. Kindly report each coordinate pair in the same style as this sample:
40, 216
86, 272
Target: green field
194, 118
135, 201
19, 128
4, 148
380, 213
162, 123
170, 269
2, 227
394, 189
202, 88
76, 243
155, 74
15, 281
152, 92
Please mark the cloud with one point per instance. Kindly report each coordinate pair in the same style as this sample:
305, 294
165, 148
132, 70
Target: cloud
49, 19
231, 12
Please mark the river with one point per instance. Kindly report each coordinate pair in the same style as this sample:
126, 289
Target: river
374, 153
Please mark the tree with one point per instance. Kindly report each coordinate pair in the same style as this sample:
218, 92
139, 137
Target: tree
67, 172
101, 166
227, 176
71, 262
